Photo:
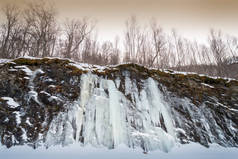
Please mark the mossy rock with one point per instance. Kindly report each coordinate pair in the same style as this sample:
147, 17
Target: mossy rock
36, 62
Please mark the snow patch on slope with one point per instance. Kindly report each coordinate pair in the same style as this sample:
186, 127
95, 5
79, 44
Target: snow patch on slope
10, 102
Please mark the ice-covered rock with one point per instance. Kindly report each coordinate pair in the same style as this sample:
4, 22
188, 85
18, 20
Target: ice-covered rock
104, 116
59, 102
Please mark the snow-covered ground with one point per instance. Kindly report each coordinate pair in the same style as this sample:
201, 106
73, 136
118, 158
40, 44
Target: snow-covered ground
4, 61
190, 151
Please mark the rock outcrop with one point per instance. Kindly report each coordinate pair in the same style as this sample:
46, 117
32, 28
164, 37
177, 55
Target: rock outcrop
54, 101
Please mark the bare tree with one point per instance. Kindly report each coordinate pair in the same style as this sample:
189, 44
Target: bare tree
91, 49
75, 32
10, 31
40, 17
179, 50
232, 46
158, 41
218, 49
106, 52
115, 57
110, 52
35, 32
145, 49
134, 39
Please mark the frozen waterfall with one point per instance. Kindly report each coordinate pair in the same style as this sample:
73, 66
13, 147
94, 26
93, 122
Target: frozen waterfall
103, 116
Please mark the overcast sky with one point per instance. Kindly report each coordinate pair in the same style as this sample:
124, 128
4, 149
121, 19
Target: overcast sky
192, 18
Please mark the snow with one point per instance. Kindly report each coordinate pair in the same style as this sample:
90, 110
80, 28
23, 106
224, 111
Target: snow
88, 67
180, 131
51, 98
11, 103
220, 104
51, 86
46, 93
28, 122
2, 61
194, 73
25, 69
177, 72
75, 151
207, 85
6, 120
32, 93
12, 70
236, 110
29, 57
98, 68
28, 71
27, 78
24, 136
18, 117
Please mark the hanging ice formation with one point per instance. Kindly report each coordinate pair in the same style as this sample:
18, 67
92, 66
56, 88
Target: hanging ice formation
104, 116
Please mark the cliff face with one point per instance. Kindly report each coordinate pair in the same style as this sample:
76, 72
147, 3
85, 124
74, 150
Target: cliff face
55, 101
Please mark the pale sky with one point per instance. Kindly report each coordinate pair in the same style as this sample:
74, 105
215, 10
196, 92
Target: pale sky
191, 18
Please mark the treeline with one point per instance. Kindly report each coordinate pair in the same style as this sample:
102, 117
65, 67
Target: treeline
34, 31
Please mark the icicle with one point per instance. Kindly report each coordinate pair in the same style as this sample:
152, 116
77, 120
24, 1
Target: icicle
104, 116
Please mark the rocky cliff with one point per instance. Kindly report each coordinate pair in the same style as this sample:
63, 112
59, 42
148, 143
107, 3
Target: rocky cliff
52, 101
